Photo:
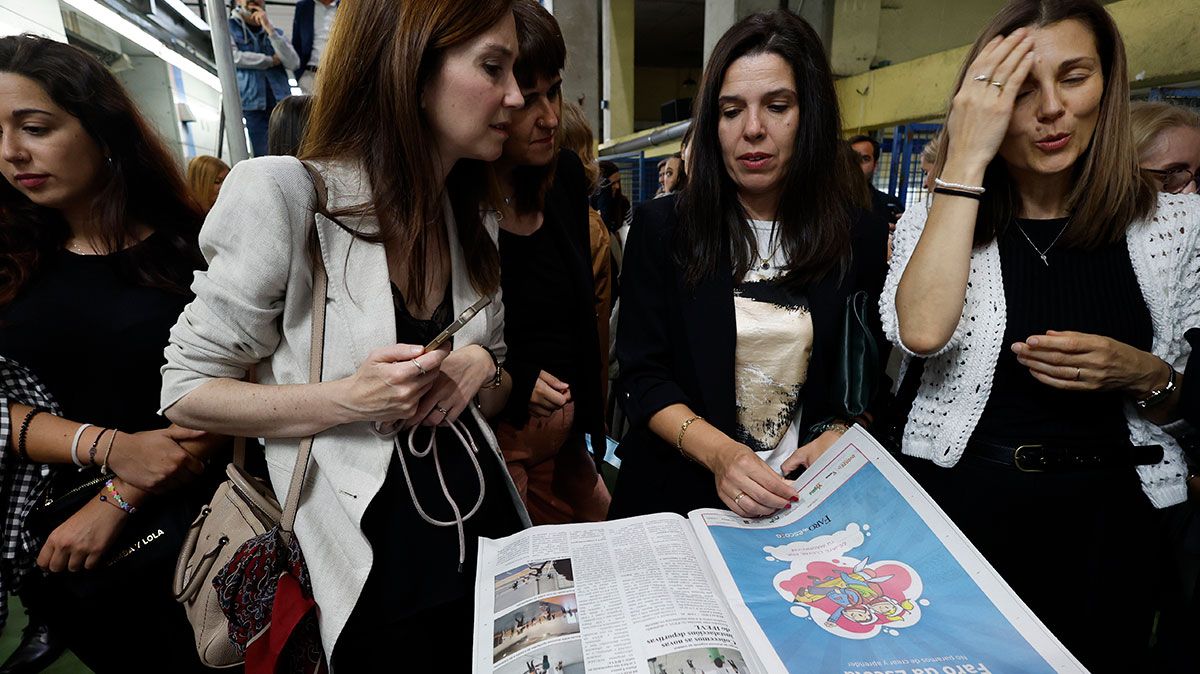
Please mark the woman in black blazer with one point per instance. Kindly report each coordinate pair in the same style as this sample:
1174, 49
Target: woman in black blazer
546, 275
734, 292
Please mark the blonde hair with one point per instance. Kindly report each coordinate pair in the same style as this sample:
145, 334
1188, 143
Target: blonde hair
1151, 119
929, 153
202, 172
575, 134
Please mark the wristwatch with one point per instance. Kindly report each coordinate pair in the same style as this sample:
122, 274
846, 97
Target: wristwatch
1158, 395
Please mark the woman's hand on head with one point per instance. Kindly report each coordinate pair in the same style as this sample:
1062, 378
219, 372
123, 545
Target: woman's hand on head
462, 373
747, 485
388, 386
1077, 361
549, 395
154, 461
981, 111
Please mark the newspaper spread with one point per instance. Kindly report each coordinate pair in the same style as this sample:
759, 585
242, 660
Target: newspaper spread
864, 575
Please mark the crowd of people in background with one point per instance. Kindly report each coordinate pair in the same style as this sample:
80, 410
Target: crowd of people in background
1042, 301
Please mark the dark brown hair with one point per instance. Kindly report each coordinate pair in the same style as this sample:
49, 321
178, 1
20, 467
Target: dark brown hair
1109, 191
381, 56
144, 185
286, 128
816, 206
543, 55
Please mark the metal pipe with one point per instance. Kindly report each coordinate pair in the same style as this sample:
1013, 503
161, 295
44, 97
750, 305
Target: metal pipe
231, 103
658, 137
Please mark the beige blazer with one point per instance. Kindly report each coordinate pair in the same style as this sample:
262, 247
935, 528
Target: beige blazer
253, 307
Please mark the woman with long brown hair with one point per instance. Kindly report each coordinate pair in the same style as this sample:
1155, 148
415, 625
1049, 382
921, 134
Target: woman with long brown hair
733, 291
414, 96
1045, 288
97, 246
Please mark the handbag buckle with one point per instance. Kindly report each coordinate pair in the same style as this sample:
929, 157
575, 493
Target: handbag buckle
1039, 459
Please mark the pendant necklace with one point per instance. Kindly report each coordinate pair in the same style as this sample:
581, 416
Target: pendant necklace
766, 261
1042, 253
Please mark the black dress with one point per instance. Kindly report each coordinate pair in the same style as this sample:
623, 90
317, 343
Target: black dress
1078, 547
417, 606
95, 338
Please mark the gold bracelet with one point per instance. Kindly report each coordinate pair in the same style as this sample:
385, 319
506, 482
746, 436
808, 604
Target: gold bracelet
683, 429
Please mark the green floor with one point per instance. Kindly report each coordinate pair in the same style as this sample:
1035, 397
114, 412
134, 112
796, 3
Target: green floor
67, 664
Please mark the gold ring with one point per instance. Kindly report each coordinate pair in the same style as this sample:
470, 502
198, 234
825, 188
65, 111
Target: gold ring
419, 368
445, 412
998, 85
738, 498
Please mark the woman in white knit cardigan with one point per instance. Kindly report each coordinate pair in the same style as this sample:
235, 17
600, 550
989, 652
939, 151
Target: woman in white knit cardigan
1045, 293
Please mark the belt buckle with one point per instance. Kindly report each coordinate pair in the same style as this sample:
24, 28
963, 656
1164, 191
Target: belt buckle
1017, 461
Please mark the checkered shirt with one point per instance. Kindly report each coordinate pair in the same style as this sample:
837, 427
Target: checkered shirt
20, 481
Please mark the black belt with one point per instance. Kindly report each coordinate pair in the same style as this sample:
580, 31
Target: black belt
1046, 458
311, 69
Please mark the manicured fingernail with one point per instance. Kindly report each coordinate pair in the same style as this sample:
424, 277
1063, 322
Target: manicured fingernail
794, 499
1032, 341
787, 507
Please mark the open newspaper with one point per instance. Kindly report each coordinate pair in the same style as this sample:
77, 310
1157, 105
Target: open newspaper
864, 575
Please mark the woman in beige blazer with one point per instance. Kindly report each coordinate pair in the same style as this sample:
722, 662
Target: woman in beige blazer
399, 131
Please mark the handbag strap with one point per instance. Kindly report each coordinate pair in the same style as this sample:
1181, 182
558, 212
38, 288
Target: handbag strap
316, 356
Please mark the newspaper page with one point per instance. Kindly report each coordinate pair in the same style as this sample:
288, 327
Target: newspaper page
622, 597
866, 575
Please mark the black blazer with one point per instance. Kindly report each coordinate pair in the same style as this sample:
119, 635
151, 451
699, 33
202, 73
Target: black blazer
565, 216
676, 345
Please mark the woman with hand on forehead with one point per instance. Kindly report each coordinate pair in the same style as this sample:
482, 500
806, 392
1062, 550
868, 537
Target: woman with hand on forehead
1046, 287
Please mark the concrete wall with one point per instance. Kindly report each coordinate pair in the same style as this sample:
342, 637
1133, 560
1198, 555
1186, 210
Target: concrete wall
657, 86
1162, 40
617, 23
41, 17
909, 29
579, 21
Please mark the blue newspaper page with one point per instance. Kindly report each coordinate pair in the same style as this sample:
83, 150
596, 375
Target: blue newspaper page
866, 575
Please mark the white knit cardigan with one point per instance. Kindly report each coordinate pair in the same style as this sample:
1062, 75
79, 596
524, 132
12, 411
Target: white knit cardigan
1165, 252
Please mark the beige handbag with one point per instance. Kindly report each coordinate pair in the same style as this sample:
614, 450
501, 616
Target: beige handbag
243, 507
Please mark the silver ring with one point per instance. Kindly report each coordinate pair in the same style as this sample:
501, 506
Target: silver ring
419, 368
445, 412
738, 498
982, 78
1077, 372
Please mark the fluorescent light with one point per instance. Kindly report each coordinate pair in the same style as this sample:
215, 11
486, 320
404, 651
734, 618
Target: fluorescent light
186, 12
134, 34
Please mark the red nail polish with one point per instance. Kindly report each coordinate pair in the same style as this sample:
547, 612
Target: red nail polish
787, 507
794, 499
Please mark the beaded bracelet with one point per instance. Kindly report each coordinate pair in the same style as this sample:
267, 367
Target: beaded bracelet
973, 189
113, 497
21, 451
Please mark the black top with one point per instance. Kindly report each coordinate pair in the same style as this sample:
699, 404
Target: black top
416, 563
536, 278
1089, 291
94, 337
549, 303
677, 345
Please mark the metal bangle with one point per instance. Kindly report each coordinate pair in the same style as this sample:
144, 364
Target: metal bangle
498, 378
107, 452
1159, 395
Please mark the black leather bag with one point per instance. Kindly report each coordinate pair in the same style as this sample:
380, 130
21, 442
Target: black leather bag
857, 376
148, 543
